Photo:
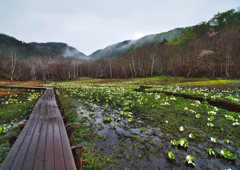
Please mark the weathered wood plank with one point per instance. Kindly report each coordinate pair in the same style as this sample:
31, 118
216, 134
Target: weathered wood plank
49, 154
59, 155
39, 158
29, 159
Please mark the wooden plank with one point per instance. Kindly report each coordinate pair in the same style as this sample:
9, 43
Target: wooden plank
49, 153
39, 159
69, 162
58, 148
29, 160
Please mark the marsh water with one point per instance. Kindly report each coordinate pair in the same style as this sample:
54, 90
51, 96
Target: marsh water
137, 145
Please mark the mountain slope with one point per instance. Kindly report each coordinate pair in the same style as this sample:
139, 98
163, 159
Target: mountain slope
58, 49
10, 44
124, 47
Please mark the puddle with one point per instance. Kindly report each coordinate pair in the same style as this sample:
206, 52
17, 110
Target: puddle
135, 145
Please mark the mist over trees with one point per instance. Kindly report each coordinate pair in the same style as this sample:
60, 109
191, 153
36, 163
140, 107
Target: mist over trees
209, 49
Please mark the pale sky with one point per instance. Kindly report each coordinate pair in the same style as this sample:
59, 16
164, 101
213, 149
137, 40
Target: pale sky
89, 25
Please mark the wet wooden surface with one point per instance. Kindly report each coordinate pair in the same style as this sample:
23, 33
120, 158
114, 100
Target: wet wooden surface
43, 143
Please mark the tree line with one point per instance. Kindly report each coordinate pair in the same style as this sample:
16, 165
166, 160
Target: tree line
209, 49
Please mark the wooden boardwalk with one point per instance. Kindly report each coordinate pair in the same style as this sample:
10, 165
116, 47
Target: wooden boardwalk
43, 143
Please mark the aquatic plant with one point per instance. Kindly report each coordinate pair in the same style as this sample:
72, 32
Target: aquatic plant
171, 155
198, 115
214, 140
182, 142
227, 141
228, 117
227, 154
189, 159
211, 152
181, 128
91, 113
130, 119
3, 129
210, 124
174, 142
211, 118
106, 107
212, 113
107, 119
191, 135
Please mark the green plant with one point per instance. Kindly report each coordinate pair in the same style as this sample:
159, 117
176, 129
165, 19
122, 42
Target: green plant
143, 129
107, 119
210, 124
126, 108
228, 117
227, 154
117, 118
174, 142
227, 141
198, 115
127, 114
171, 155
91, 113
181, 128
214, 140
3, 129
182, 142
130, 119
189, 159
211, 118
106, 107
191, 135
211, 152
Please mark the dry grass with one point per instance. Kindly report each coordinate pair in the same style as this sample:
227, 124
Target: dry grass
31, 83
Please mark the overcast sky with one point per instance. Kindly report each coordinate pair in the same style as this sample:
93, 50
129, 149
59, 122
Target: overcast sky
89, 25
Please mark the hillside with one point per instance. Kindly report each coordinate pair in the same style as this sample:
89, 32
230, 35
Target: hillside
58, 49
123, 48
10, 44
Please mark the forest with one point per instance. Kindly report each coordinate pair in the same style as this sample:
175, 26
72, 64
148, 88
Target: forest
209, 49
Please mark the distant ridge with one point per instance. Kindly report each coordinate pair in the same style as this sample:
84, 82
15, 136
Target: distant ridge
10, 44
124, 47
59, 49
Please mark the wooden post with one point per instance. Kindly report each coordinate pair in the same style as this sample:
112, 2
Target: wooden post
65, 120
77, 154
22, 125
11, 140
70, 130
62, 111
